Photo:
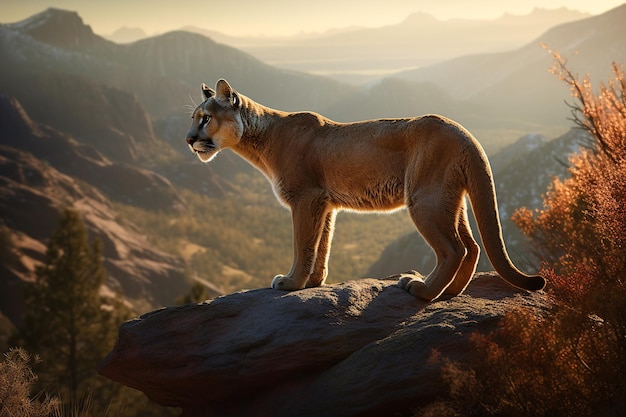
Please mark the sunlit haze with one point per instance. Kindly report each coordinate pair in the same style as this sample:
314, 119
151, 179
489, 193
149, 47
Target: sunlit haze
278, 17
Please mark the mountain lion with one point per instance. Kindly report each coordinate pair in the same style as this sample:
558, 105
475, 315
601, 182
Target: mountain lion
317, 166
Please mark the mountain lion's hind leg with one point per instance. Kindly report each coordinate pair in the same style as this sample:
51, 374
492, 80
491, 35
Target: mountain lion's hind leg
436, 219
468, 266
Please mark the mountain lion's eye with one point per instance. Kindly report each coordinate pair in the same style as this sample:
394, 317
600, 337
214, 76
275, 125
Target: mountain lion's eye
205, 120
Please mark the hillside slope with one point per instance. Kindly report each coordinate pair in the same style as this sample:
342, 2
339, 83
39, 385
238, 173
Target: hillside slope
517, 84
162, 71
43, 171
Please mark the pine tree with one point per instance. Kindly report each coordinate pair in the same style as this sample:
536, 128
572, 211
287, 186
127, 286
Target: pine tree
197, 294
67, 322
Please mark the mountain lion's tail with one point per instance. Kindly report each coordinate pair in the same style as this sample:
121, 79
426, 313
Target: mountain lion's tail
482, 195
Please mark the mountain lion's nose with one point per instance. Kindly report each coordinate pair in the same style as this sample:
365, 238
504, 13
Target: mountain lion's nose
191, 140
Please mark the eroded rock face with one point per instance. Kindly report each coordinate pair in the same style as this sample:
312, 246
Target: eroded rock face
350, 349
43, 171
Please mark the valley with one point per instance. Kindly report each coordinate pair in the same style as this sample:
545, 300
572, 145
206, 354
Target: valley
98, 125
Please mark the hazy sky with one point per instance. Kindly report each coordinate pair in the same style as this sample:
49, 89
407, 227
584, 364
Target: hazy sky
277, 17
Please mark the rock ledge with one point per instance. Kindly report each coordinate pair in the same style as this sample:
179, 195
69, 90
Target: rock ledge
352, 349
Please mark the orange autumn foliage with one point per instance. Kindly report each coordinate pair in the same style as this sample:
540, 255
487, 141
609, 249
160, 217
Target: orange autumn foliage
572, 360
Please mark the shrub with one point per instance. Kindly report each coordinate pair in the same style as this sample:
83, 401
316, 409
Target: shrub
572, 361
582, 233
16, 382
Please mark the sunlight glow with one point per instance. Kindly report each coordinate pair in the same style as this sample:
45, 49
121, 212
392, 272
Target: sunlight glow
279, 17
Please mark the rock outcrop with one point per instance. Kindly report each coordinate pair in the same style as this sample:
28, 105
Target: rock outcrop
357, 348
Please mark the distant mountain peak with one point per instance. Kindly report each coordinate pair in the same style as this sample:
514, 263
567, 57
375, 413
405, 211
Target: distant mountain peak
127, 35
543, 14
58, 27
421, 19
50, 16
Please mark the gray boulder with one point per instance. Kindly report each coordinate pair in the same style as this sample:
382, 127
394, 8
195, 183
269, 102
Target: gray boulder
357, 348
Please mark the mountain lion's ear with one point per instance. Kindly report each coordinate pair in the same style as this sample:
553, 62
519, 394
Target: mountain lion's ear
235, 99
207, 92
226, 92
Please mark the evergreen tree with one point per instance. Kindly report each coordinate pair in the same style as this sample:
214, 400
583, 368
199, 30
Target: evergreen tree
67, 322
197, 294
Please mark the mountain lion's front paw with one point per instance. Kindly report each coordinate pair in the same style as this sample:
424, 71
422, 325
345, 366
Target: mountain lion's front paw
414, 284
285, 282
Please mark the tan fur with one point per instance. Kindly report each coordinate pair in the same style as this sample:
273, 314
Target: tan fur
317, 166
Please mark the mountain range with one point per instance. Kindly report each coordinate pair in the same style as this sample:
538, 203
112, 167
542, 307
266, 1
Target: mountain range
42, 171
100, 125
518, 80
417, 41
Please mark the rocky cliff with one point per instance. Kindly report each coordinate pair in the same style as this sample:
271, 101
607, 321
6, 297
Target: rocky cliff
357, 348
43, 171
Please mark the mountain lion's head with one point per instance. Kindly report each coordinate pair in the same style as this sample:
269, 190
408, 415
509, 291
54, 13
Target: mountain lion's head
216, 123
